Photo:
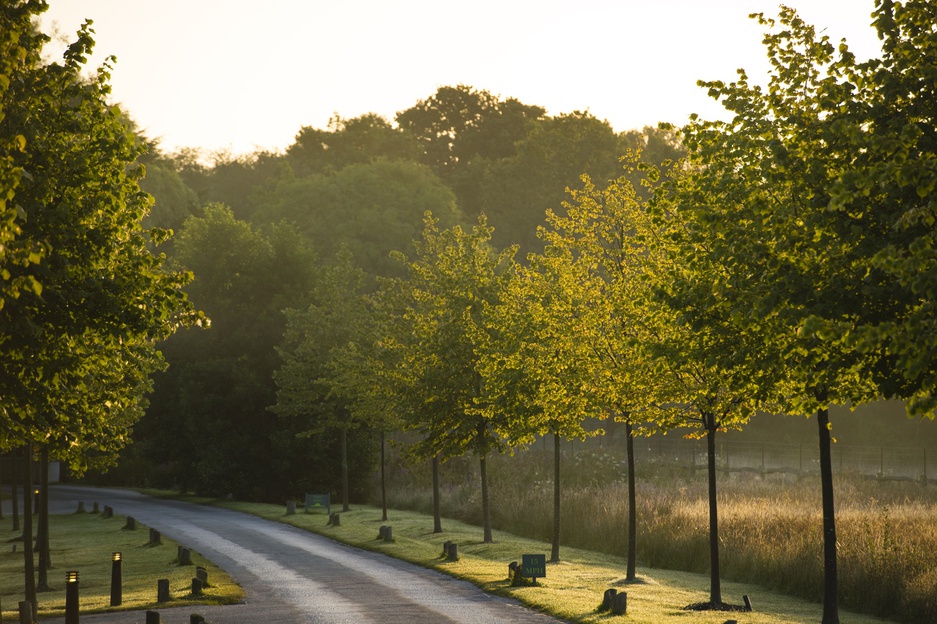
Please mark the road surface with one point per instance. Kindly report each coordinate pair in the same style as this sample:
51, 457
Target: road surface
292, 576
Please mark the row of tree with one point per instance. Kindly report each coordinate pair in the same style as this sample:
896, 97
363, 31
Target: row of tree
83, 299
786, 265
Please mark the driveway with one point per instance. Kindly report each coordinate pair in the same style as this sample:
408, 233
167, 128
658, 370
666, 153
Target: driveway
291, 576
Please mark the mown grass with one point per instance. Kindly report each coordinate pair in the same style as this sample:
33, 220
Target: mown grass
572, 589
85, 542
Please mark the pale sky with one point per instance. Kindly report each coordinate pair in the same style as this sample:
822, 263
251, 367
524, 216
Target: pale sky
238, 75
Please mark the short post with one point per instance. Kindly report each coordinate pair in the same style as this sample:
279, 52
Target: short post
202, 575
748, 603
71, 597
620, 603
117, 592
155, 538
388, 533
291, 508
445, 548
26, 612
196, 587
162, 591
108, 511
453, 552
195, 618
152, 617
81, 507
131, 523
607, 599
94, 508
185, 556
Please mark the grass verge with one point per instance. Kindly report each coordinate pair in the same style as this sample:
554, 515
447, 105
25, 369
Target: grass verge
85, 542
572, 589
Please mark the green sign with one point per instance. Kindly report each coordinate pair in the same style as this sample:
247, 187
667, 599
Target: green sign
317, 501
534, 566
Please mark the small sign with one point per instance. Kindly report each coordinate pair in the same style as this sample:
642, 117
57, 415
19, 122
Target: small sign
534, 566
318, 501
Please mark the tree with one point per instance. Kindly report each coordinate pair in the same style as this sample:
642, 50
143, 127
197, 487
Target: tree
346, 142
308, 382
454, 282
105, 300
371, 208
804, 199
208, 425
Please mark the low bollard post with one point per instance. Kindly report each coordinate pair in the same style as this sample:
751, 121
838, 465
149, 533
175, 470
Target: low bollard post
162, 590
195, 618
607, 599
196, 587
131, 523
81, 507
155, 538
117, 590
152, 617
620, 603
453, 552
71, 597
26, 612
202, 575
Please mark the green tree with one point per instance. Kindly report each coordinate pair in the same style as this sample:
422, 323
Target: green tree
309, 387
803, 199
208, 421
106, 301
346, 142
371, 208
454, 282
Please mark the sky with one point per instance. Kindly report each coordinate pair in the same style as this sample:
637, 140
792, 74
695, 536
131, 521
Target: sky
238, 75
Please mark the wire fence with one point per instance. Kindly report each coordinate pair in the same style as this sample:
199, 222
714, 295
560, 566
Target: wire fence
881, 462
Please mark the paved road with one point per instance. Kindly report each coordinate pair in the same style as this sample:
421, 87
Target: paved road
291, 576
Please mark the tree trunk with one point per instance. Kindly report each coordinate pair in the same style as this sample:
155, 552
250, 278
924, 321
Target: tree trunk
30, 570
486, 506
715, 589
555, 549
437, 518
830, 580
42, 544
632, 507
16, 497
344, 438
383, 483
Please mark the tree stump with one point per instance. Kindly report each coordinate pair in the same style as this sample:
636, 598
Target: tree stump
162, 593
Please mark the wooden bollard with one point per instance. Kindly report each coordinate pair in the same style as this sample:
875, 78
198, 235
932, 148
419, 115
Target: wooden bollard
155, 538
291, 508
26, 612
108, 511
620, 603
81, 507
607, 599
453, 552
162, 590
94, 508
445, 548
512, 570
131, 523
335, 519
185, 556
196, 587
195, 618
202, 575
152, 617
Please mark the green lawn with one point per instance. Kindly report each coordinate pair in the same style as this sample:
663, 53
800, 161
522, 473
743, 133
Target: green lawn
85, 542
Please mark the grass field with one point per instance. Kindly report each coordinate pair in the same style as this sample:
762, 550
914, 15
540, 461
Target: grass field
84, 543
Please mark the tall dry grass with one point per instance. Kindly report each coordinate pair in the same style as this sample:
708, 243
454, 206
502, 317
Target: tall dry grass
770, 527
